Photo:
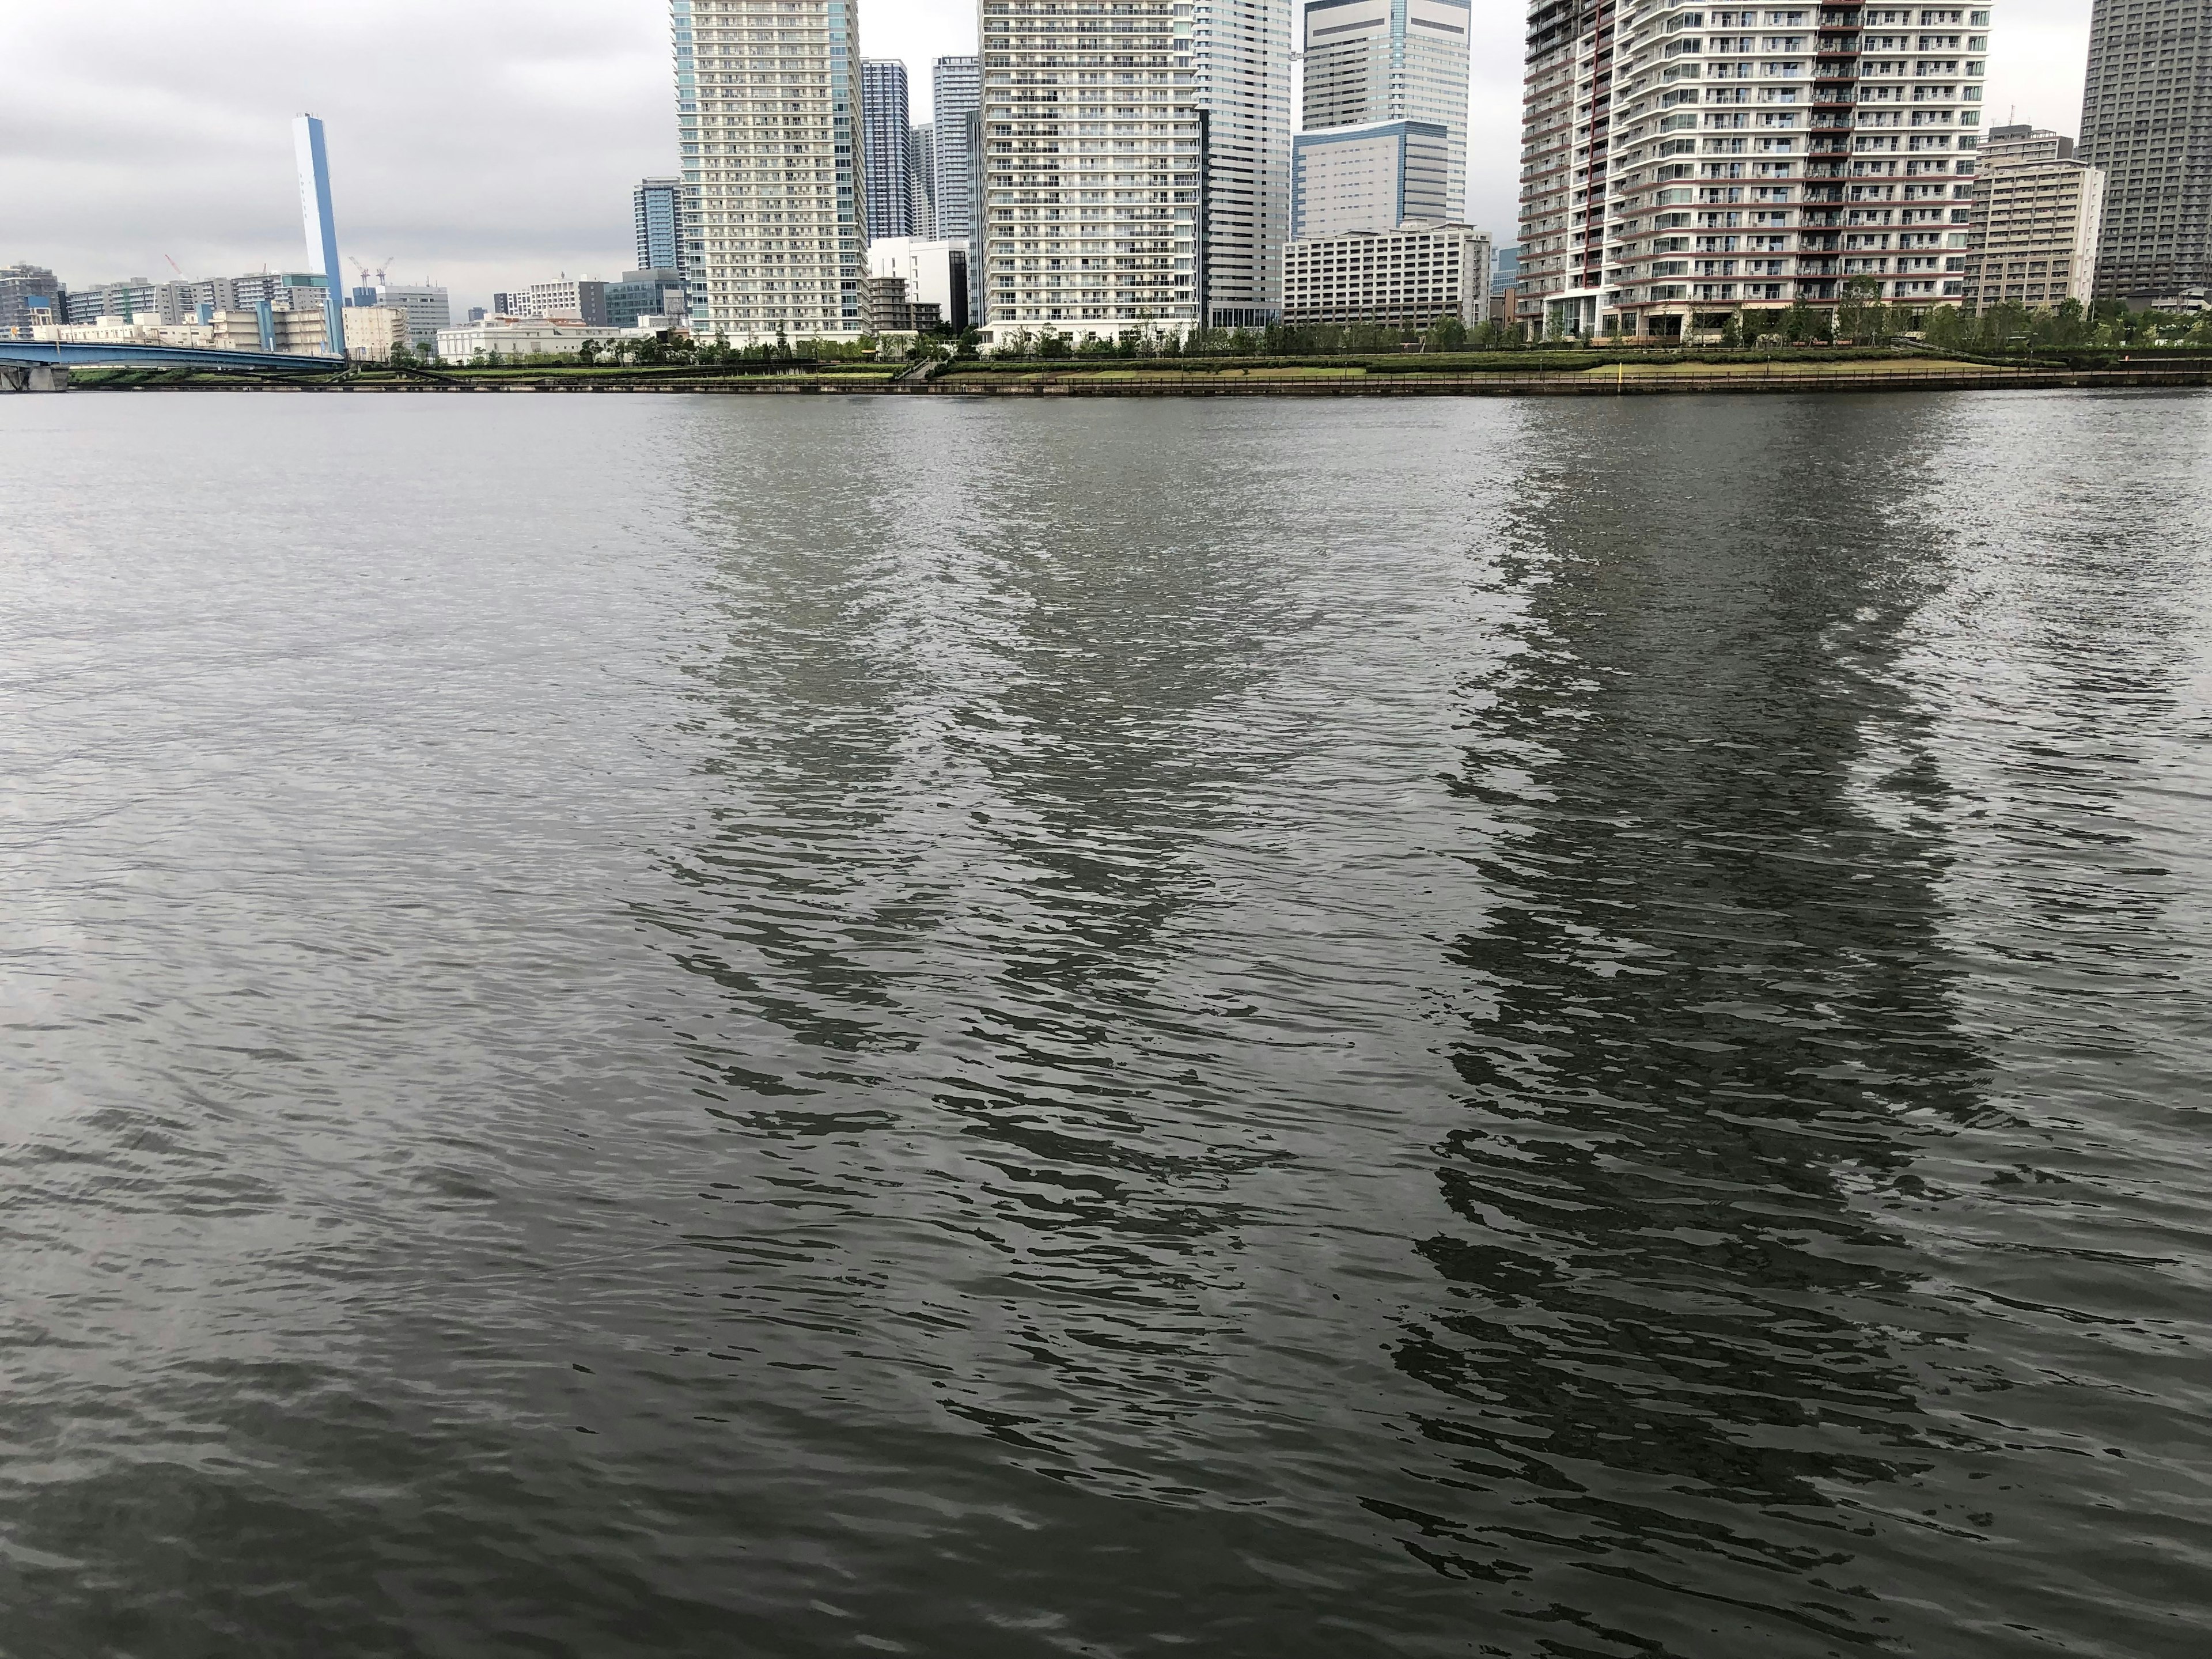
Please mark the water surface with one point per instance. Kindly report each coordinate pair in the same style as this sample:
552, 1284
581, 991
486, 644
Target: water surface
648, 1026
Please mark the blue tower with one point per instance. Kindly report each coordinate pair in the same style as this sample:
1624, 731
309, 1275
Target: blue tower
322, 226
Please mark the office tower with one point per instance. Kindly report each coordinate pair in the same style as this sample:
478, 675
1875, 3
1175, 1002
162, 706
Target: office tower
957, 89
1374, 177
1093, 169
2036, 213
642, 294
565, 299
884, 131
767, 104
321, 224
1391, 60
427, 309
2147, 120
1240, 58
1409, 277
921, 180
657, 205
1565, 110
30, 296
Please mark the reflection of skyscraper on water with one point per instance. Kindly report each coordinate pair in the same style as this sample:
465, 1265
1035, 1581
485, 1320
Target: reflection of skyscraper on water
1705, 997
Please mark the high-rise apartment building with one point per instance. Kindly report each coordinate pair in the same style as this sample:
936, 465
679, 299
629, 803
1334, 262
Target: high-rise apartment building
2146, 121
1369, 178
957, 92
1093, 167
2037, 214
30, 295
768, 102
1565, 112
1240, 53
885, 133
1390, 60
1747, 157
921, 180
657, 206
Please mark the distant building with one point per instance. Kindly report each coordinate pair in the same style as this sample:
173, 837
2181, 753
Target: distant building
475, 313
2037, 217
571, 300
957, 92
657, 205
884, 133
1392, 60
789, 243
297, 332
503, 304
131, 298
29, 296
1412, 277
2147, 120
374, 332
526, 336
428, 310
920, 182
643, 294
935, 273
1373, 176
1504, 285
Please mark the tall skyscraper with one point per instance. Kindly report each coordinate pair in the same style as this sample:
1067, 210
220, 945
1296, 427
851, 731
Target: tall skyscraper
2147, 120
885, 136
321, 222
921, 179
1391, 60
1565, 116
1240, 57
957, 91
1093, 169
2037, 212
1747, 158
768, 103
657, 208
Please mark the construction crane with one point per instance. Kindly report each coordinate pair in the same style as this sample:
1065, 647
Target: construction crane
174, 266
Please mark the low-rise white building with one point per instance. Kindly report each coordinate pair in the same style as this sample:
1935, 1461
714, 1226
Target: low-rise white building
1414, 276
517, 337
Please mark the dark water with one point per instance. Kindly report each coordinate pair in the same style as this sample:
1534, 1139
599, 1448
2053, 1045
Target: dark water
639, 1027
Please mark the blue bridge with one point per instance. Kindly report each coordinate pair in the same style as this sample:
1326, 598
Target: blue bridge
43, 365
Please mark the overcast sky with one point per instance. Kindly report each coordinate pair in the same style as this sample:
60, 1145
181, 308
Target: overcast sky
485, 143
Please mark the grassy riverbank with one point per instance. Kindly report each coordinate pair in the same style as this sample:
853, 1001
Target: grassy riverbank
1564, 372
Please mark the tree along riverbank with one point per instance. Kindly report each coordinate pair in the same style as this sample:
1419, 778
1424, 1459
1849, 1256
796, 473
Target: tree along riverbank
1548, 372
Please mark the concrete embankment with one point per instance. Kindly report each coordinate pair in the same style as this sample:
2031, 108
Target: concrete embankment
1609, 381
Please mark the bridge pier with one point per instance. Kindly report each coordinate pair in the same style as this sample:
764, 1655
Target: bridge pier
33, 377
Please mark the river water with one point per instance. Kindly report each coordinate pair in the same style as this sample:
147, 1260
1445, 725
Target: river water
639, 1026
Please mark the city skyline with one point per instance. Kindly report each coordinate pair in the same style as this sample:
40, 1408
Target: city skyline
477, 177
